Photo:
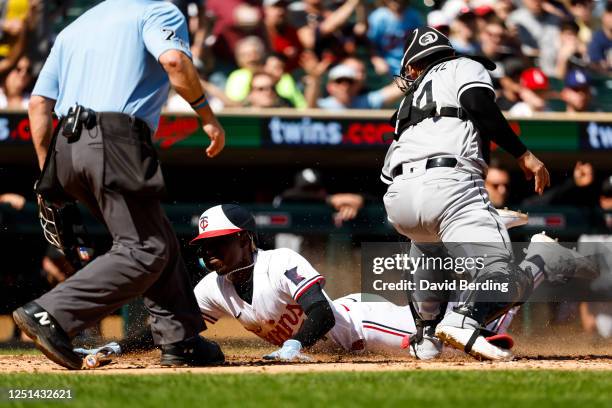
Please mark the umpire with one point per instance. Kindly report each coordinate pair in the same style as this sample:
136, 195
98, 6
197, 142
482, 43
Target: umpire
107, 78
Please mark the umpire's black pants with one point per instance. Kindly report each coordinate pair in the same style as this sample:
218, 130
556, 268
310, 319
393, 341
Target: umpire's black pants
113, 170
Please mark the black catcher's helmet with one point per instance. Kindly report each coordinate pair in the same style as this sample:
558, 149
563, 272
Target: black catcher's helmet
420, 44
424, 41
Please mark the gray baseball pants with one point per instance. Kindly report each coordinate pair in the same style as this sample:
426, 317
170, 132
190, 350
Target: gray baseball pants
113, 170
450, 206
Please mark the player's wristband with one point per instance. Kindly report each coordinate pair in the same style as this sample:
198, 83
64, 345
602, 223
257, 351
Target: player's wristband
200, 99
200, 105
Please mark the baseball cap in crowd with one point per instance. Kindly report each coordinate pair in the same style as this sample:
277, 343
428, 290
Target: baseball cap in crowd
534, 79
437, 19
222, 220
308, 179
576, 79
482, 7
342, 71
483, 11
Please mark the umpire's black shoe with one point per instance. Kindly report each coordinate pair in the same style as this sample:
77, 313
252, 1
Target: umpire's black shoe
194, 351
48, 336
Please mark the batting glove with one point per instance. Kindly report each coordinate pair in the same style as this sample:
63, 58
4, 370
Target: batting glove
109, 349
289, 352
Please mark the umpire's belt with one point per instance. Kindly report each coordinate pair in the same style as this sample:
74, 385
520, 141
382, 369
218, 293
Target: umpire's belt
123, 119
431, 163
79, 117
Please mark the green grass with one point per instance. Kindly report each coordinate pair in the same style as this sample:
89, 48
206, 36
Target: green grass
22, 351
432, 389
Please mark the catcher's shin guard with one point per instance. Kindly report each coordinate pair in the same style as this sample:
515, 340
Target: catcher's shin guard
424, 345
464, 328
484, 308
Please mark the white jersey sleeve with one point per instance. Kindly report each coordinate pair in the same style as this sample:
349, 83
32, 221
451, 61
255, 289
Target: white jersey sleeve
206, 292
471, 74
296, 275
385, 175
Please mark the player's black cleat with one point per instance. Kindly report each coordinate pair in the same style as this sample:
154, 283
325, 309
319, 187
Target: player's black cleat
195, 351
48, 336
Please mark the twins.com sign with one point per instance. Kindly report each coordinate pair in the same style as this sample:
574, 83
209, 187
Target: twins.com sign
596, 136
315, 132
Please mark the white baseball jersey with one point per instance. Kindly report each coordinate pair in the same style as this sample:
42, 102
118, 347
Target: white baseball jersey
280, 277
441, 136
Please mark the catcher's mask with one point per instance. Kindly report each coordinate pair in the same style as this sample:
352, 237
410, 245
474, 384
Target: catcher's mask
63, 228
423, 42
48, 215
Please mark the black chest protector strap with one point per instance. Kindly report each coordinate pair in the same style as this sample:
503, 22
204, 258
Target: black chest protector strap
409, 115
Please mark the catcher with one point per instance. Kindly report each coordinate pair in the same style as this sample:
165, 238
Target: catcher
279, 296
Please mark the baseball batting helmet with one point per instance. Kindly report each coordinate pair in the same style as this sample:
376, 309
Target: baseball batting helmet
222, 220
424, 41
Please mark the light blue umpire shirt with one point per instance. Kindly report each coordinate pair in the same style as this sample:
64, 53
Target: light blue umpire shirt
107, 59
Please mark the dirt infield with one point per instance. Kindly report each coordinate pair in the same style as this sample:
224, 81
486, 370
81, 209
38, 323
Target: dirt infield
552, 351
148, 364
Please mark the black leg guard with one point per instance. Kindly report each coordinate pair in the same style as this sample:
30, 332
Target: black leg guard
422, 325
483, 308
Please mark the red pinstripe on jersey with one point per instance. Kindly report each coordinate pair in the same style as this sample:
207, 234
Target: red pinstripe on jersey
367, 324
306, 285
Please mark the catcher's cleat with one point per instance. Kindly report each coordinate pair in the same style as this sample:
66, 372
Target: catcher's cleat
512, 218
195, 351
48, 336
425, 345
558, 263
466, 336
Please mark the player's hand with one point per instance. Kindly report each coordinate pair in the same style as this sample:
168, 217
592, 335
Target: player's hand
289, 352
533, 167
347, 205
216, 134
110, 349
345, 213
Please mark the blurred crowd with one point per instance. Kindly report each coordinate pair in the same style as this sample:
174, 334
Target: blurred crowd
331, 54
